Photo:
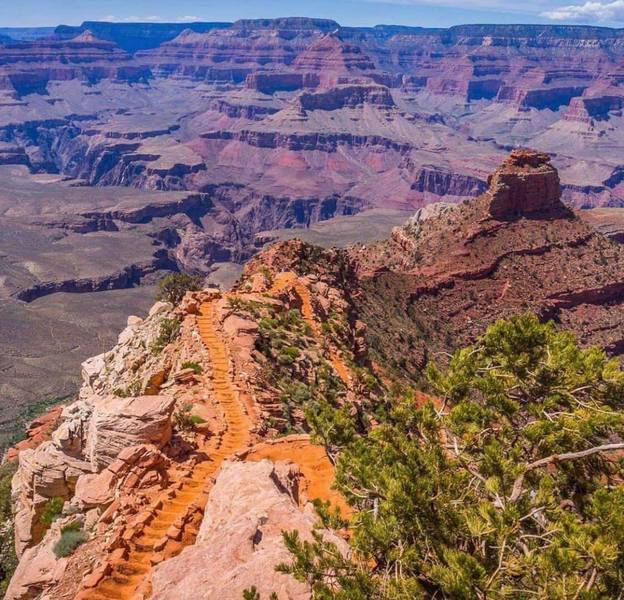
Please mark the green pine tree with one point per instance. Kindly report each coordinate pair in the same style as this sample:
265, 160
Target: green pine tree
507, 485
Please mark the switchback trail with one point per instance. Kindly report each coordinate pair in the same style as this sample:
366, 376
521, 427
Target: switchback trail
288, 279
129, 574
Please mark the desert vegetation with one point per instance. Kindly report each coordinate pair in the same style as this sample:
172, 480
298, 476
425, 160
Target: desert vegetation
72, 536
174, 286
505, 483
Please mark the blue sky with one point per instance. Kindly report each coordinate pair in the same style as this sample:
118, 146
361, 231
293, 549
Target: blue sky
347, 12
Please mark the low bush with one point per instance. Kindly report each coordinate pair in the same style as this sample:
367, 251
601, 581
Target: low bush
288, 355
197, 368
52, 511
184, 420
72, 536
169, 329
134, 389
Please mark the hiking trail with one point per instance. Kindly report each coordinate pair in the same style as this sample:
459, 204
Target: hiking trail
288, 279
128, 575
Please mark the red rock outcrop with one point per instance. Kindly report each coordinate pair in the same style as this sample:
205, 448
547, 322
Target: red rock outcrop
526, 183
250, 505
135, 468
347, 96
38, 431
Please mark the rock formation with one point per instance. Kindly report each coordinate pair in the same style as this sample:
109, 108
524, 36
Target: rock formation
92, 435
118, 423
459, 269
190, 448
526, 183
250, 505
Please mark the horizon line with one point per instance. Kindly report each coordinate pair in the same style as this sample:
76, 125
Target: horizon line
202, 22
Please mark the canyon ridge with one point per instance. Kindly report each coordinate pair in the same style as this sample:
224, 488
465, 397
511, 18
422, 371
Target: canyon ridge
197, 439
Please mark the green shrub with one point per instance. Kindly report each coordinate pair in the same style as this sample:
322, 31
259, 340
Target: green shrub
184, 420
52, 511
173, 287
134, 389
250, 307
508, 485
267, 274
268, 323
197, 368
288, 355
169, 329
253, 594
72, 536
73, 526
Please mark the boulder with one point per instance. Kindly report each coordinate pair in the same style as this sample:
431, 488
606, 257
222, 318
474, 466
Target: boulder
136, 468
118, 423
240, 538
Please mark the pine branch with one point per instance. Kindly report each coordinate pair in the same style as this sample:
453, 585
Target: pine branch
555, 458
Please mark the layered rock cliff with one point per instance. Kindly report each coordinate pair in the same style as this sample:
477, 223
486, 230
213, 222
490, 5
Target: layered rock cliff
516, 247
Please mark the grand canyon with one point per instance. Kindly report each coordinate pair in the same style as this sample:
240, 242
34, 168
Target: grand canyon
358, 203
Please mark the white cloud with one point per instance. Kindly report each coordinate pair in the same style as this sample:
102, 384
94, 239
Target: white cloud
188, 19
600, 12
502, 5
133, 19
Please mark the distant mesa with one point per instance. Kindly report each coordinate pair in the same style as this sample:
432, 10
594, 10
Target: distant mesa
288, 23
347, 96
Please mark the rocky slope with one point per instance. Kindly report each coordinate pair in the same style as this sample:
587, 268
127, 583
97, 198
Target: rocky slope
437, 283
143, 485
188, 444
